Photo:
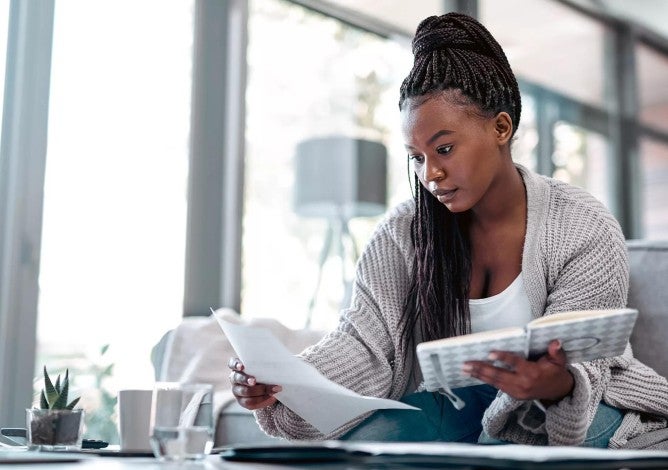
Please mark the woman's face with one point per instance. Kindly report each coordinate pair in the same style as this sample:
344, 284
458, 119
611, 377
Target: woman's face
455, 151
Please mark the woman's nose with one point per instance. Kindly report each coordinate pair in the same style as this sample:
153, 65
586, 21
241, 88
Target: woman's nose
433, 171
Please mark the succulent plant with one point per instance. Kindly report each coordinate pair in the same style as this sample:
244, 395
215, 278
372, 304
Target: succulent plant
54, 397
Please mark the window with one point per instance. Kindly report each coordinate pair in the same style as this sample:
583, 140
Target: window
4, 23
581, 158
396, 13
524, 147
654, 184
652, 79
569, 120
309, 75
112, 258
540, 44
652, 67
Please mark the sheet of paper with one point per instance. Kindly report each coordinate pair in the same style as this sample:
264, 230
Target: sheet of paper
318, 400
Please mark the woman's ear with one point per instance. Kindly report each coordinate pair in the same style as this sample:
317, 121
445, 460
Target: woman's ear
503, 126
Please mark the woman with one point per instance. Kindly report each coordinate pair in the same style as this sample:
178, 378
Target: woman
484, 244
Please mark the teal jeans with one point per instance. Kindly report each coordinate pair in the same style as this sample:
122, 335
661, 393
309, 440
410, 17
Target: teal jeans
438, 420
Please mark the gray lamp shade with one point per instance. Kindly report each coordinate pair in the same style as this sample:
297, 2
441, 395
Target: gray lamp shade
340, 177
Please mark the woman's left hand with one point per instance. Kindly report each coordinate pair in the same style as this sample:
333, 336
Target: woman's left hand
546, 379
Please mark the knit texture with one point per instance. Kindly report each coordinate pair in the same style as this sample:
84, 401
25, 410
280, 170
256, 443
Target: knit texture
574, 258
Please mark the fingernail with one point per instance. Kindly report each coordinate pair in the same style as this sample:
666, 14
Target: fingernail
467, 368
251, 380
493, 356
237, 366
559, 344
276, 389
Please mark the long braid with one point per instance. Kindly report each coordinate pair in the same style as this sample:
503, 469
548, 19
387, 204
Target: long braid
451, 52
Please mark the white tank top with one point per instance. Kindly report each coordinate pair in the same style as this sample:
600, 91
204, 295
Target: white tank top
508, 308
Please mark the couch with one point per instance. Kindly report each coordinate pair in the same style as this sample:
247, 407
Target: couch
648, 293
198, 351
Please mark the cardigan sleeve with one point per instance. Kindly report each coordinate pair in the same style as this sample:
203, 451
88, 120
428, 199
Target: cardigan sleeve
361, 353
597, 277
588, 269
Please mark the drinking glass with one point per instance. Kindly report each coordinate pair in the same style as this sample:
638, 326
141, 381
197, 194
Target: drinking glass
181, 421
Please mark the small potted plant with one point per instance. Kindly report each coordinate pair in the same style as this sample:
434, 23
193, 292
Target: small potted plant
55, 425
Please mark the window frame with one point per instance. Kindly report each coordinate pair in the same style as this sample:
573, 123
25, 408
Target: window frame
22, 169
216, 168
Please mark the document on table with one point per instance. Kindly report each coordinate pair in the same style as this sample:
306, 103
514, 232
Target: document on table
24, 456
361, 454
318, 400
508, 452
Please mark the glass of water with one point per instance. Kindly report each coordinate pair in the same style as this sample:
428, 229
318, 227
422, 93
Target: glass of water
181, 421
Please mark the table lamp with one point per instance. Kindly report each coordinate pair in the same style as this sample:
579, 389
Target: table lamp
339, 178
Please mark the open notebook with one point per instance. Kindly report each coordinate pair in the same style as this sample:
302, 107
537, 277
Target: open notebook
585, 335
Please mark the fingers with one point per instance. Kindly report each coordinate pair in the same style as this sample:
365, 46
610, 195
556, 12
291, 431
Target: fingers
257, 396
501, 369
261, 390
241, 378
235, 364
488, 373
502, 360
248, 393
555, 353
507, 360
253, 404
544, 379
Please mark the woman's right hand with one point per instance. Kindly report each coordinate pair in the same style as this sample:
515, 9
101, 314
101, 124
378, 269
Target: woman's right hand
249, 394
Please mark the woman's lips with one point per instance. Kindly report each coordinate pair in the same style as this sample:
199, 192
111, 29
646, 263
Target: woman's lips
444, 195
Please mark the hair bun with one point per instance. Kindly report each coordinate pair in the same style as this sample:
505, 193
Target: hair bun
456, 51
448, 32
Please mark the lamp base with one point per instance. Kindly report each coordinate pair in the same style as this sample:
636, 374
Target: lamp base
338, 231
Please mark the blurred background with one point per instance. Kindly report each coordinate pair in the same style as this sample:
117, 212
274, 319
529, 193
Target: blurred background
151, 158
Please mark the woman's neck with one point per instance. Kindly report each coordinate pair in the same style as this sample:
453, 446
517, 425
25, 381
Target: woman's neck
504, 202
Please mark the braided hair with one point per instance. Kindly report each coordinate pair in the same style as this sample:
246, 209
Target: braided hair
457, 57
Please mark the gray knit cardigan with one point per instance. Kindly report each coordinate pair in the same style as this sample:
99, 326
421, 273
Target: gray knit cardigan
574, 258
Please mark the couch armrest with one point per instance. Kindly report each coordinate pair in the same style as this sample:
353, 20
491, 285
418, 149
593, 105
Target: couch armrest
648, 263
237, 425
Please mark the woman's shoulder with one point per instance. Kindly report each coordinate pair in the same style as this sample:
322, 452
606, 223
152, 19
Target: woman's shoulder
566, 207
401, 213
566, 223
398, 217
395, 227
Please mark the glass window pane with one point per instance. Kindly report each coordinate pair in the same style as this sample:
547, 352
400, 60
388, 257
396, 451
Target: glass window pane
654, 188
581, 157
551, 45
525, 142
4, 23
113, 244
399, 13
309, 76
652, 87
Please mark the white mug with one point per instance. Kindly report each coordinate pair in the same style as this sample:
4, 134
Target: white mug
134, 417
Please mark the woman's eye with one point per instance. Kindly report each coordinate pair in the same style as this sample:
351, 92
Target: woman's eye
416, 158
444, 149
